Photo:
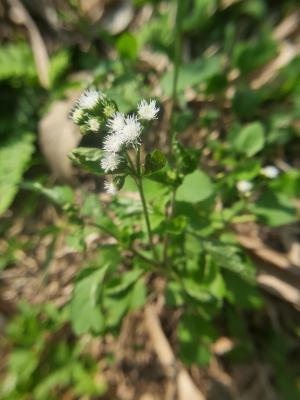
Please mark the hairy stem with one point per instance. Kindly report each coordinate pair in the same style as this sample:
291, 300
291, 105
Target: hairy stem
139, 183
132, 166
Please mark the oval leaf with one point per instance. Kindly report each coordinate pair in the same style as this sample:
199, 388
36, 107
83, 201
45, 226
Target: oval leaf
85, 312
250, 140
195, 187
88, 158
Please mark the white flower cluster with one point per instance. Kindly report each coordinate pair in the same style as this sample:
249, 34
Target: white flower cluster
148, 111
244, 186
93, 124
124, 131
270, 171
90, 99
110, 188
77, 114
87, 110
94, 110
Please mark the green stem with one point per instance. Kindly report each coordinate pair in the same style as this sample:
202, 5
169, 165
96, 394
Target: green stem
139, 183
131, 248
177, 63
146, 215
130, 162
167, 236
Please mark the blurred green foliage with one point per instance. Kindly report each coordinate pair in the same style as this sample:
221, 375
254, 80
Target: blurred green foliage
224, 48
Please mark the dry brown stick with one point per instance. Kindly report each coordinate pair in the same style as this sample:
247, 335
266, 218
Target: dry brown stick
21, 16
287, 52
281, 278
267, 254
287, 26
280, 288
186, 389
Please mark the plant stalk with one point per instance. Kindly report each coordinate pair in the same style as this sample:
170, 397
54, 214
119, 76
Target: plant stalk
140, 187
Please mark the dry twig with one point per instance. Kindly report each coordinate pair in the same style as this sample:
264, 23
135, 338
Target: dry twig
184, 387
20, 15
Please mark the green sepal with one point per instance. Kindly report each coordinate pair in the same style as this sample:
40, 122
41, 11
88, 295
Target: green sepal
109, 107
119, 181
89, 158
187, 159
154, 161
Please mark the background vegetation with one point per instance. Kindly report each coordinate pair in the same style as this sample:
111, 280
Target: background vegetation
235, 109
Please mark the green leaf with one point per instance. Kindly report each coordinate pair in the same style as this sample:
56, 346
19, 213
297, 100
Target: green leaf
250, 140
127, 46
226, 256
240, 292
59, 63
85, 383
123, 282
60, 195
186, 158
175, 225
288, 183
195, 290
92, 206
115, 307
138, 295
61, 377
195, 187
75, 239
245, 102
23, 363
119, 181
127, 89
192, 74
89, 158
248, 56
85, 312
213, 280
195, 335
274, 209
16, 61
174, 294
15, 154
247, 170
154, 162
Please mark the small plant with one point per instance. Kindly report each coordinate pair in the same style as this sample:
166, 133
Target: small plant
181, 238
46, 359
167, 230
121, 155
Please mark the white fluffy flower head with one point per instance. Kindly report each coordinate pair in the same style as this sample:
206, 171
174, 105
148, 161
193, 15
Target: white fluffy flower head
93, 124
148, 111
110, 188
116, 123
113, 143
132, 130
110, 162
89, 99
270, 171
244, 186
